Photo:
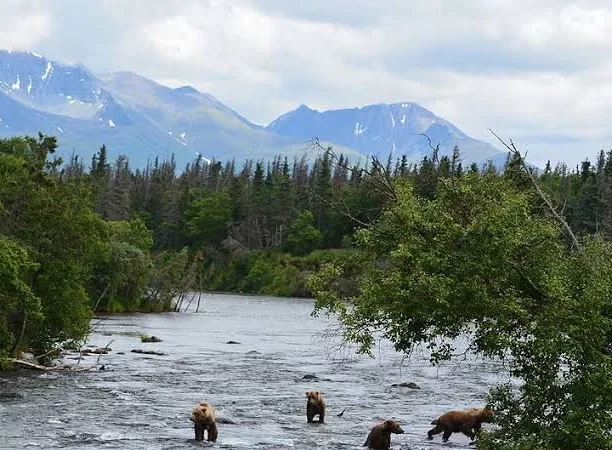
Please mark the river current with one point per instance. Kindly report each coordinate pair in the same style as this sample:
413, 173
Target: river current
143, 401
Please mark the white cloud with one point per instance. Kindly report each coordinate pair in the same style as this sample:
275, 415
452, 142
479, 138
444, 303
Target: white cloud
24, 24
533, 70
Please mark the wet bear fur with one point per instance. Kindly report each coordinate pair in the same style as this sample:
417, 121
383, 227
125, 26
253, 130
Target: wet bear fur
203, 418
468, 422
315, 405
380, 436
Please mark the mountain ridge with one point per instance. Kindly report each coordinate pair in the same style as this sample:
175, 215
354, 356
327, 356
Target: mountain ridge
383, 129
139, 117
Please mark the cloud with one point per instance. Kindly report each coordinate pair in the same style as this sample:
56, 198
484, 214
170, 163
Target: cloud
24, 24
533, 70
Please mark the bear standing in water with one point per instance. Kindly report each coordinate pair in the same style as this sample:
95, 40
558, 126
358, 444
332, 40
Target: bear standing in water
380, 436
468, 422
315, 405
203, 418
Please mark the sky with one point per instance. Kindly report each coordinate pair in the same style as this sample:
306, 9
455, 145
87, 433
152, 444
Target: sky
533, 71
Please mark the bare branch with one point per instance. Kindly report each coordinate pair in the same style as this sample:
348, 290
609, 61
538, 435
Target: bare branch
383, 185
435, 149
513, 150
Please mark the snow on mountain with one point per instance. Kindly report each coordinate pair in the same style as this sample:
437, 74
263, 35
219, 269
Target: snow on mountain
384, 129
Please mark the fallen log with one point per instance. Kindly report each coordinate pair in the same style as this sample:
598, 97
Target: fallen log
96, 351
59, 368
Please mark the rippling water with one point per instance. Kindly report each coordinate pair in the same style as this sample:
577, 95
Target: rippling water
143, 401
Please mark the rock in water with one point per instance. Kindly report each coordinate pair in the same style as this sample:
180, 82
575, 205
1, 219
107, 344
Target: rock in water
407, 384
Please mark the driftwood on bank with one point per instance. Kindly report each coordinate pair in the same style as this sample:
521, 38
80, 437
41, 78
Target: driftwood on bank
67, 368
59, 368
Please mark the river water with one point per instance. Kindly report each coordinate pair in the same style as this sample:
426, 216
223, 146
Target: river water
144, 401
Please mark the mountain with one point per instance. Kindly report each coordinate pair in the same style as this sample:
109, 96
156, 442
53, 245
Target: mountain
128, 113
380, 130
196, 120
37, 94
143, 119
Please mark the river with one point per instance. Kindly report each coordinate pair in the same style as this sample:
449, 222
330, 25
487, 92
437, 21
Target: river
144, 401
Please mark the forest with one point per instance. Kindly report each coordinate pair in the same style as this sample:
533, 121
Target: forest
518, 258
255, 227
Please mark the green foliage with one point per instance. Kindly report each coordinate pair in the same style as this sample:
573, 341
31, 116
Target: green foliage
16, 297
303, 237
168, 279
133, 232
56, 223
123, 267
566, 397
207, 219
478, 259
271, 273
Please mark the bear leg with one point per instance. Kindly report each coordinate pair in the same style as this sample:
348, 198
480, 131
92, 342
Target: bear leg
213, 432
467, 430
311, 411
199, 431
435, 430
446, 435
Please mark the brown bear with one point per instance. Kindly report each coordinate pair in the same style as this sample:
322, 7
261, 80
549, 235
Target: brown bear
315, 405
380, 436
468, 422
203, 418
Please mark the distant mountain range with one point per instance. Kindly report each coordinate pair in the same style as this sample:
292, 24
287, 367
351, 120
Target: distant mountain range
399, 128
138, 117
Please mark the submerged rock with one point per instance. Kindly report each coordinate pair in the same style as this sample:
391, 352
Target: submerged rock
407, 384
311, 377
8, 396
147, 352
225, 420
150, 339
233, 342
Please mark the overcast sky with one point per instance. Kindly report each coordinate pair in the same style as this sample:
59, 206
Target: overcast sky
538, 71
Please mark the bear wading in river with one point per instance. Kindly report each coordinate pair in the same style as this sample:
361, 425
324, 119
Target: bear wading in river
315, 405
380, 436
468, 422
203, 418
